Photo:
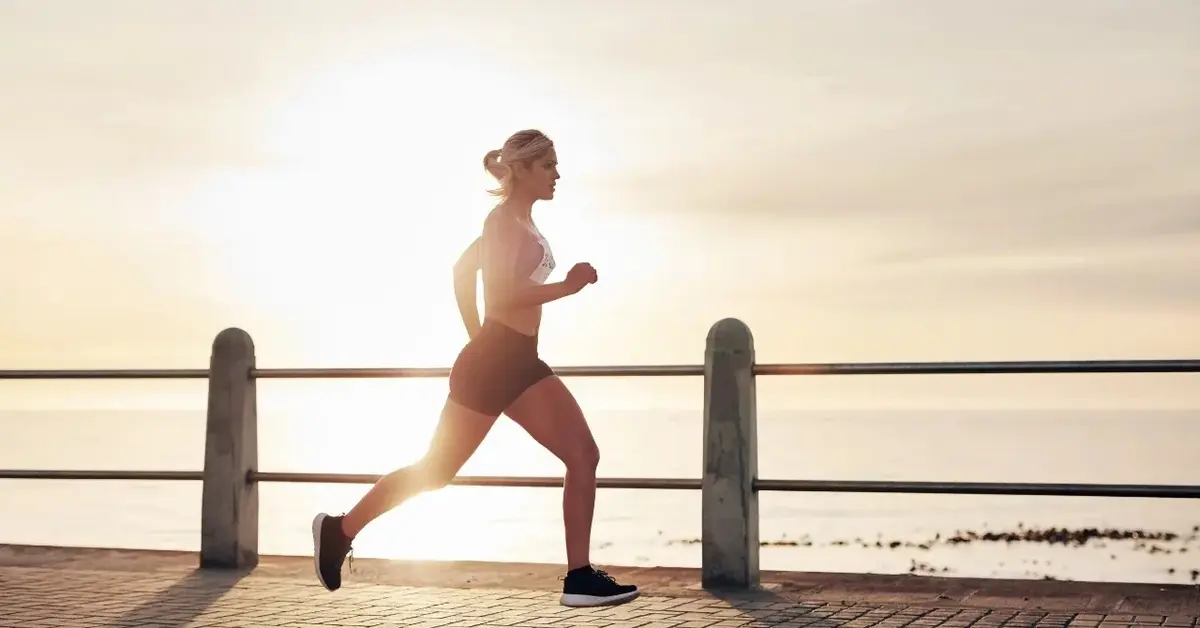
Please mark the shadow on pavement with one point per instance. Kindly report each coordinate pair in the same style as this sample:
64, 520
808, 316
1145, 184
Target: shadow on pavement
181, 603
765, 607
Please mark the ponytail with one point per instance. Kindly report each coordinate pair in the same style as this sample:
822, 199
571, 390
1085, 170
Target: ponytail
502, 172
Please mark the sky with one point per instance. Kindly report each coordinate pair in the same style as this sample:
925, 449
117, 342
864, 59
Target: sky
857, 180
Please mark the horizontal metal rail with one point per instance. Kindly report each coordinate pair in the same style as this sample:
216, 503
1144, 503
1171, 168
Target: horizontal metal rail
982, 488
813, 486
60, 474
107, 374
951, 368
648, 370
836, 486
482, 480
667, 370
663, 370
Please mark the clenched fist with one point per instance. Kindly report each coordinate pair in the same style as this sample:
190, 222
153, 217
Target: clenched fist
579, 276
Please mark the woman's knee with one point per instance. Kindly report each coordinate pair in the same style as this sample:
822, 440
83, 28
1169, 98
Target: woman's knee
435, 473
585, 459
423, 475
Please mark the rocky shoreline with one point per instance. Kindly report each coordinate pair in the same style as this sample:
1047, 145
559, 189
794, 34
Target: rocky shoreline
1150, 541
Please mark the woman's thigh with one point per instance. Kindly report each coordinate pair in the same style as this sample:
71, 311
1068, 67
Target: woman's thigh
459, 432
550, 414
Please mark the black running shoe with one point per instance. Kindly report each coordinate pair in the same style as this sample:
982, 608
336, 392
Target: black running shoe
330, 548
588, 586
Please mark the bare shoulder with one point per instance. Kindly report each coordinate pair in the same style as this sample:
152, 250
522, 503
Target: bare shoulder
499, 226
495, 219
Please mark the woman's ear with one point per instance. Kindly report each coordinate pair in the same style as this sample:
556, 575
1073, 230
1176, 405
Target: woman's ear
520, 169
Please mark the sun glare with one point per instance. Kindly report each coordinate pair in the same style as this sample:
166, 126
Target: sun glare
373, 187
347, 234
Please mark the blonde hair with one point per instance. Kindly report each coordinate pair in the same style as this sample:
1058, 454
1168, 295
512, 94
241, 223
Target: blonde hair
520, 147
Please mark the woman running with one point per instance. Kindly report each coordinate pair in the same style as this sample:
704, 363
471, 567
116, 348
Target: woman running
499, 371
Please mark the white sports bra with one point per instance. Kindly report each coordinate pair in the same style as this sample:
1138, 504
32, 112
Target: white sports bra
545, 267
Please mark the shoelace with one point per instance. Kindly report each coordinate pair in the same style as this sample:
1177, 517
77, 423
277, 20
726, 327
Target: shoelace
603, 575
349, 553
599, 573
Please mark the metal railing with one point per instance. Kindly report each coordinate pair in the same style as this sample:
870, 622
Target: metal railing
730, 517
664, 370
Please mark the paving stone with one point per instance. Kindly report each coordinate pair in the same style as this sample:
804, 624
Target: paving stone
36, 597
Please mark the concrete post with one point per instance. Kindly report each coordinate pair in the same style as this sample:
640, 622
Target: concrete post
729, 511
229, 511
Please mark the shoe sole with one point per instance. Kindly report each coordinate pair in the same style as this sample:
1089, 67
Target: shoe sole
576, 600
316, 532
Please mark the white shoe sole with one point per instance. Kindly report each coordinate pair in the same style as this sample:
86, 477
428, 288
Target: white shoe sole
316, 532
581, 601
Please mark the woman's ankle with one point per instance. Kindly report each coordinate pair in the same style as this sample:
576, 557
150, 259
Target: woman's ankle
347, 528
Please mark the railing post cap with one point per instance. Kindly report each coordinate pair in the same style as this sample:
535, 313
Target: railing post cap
233, 338
730, 331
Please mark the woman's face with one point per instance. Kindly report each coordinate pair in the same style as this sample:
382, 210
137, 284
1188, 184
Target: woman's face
538, 177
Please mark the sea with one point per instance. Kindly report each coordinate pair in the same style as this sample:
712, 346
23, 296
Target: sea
1098, 539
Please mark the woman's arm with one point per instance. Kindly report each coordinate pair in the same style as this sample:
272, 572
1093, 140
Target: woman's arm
465, 271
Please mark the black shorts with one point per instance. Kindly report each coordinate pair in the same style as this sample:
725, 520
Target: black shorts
495, 367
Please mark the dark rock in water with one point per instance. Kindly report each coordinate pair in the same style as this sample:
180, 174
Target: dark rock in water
1052, 536
1059, 536
916, 567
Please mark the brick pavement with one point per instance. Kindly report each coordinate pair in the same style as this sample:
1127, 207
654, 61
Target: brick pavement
38, 597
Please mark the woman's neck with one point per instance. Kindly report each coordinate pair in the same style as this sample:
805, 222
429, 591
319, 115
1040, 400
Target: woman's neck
518, 208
